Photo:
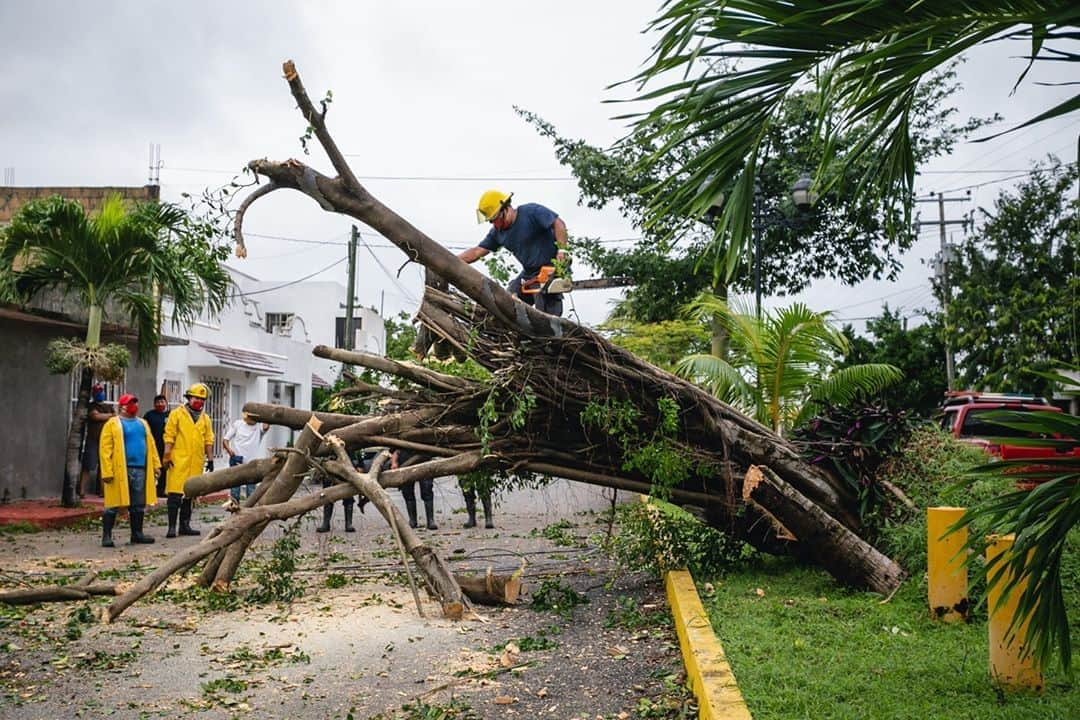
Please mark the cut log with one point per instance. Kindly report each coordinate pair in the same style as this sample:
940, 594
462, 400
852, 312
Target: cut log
491, 589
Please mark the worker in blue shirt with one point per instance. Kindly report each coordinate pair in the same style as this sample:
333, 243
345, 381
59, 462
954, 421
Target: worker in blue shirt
535, 235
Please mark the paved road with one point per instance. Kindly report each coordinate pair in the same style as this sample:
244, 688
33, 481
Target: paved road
361, 648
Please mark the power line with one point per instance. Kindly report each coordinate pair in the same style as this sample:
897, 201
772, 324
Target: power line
413, 178
291, 282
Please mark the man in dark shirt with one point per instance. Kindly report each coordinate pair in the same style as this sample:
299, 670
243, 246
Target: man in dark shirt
534, 234
156, 420
97, 413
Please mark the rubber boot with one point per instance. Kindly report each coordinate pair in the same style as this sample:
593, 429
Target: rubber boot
348, 518
137, 537
108, 519
429, 511
185, 518
410, 506
173, 504
327, 513
470, 507
489, 521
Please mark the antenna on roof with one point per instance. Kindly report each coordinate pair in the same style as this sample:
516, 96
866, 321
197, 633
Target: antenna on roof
155, 164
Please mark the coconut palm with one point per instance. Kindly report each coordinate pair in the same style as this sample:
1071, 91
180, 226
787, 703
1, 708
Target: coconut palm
730, 65
781, 366
122, 257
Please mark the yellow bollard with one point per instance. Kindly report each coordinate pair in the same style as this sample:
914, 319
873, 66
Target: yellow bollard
1006, 666
948, 582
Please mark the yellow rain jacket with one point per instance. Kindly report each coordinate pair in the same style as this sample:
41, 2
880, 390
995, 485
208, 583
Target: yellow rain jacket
114, 465
189, 440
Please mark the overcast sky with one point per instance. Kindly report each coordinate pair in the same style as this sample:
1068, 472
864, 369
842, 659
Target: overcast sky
423, 105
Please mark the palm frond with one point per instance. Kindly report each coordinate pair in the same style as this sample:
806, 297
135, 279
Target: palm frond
736, 61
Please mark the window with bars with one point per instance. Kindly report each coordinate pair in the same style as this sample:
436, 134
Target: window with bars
279, 323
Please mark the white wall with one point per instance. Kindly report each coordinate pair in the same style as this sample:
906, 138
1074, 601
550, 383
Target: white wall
242, 325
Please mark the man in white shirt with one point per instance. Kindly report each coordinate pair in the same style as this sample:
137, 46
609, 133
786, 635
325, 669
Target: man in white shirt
242, 441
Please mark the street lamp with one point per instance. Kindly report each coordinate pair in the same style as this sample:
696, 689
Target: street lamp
803, 196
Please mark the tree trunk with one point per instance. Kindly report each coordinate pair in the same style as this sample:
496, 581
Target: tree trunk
822, 539
73, 467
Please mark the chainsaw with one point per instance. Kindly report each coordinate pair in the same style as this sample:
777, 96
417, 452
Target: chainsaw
546, 282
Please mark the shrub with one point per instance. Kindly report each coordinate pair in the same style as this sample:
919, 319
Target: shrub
658, 536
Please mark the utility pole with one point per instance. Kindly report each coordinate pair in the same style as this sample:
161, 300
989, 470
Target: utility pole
941, 269
350, 333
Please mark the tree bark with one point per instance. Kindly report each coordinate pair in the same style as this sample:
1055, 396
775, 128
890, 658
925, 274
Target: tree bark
69, 498
491, 589
821, 538
247, 473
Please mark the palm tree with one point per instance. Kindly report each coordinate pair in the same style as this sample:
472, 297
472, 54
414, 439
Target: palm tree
735, 62
781, 366
1041, 520
123, 257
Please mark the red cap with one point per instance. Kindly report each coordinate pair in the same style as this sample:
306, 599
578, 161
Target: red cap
126, 399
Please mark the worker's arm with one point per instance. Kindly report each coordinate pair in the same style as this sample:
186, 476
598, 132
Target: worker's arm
475, 253
98, 416
559, 228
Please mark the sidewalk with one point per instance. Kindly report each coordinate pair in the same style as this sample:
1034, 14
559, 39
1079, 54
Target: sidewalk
47, 513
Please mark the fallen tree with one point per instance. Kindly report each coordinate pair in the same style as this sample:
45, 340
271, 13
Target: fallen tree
556, 389
560, 401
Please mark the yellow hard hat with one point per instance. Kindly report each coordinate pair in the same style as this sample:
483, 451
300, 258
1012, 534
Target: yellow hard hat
491, 202
197, 390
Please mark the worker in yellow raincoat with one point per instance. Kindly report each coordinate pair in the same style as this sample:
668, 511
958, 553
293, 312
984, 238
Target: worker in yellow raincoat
189, 441
129, 462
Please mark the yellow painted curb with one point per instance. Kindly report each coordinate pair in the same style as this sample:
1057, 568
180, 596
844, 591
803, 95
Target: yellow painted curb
710, 675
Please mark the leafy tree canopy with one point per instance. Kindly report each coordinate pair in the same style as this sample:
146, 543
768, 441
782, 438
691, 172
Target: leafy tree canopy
918, 352
1016, 286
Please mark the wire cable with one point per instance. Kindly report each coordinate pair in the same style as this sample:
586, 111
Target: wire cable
291, 282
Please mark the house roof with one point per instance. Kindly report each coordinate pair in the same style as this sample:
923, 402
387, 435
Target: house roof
253, 360
318, 382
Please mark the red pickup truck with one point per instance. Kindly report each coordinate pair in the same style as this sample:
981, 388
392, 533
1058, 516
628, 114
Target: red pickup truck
964, 417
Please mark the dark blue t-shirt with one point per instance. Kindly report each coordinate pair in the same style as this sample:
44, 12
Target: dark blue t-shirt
531, 238
134, 442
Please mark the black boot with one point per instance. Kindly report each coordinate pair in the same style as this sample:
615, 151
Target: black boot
410, 506
185, 518
470, 507
108, 519
429, 511
137, 537
327, 513
348, 517
173, 504
489, 522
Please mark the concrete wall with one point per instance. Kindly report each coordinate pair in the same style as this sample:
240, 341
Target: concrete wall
33, 431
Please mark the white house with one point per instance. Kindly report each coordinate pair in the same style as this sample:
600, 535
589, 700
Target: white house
259, 349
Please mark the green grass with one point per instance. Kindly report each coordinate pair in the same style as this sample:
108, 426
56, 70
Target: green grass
806, 648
